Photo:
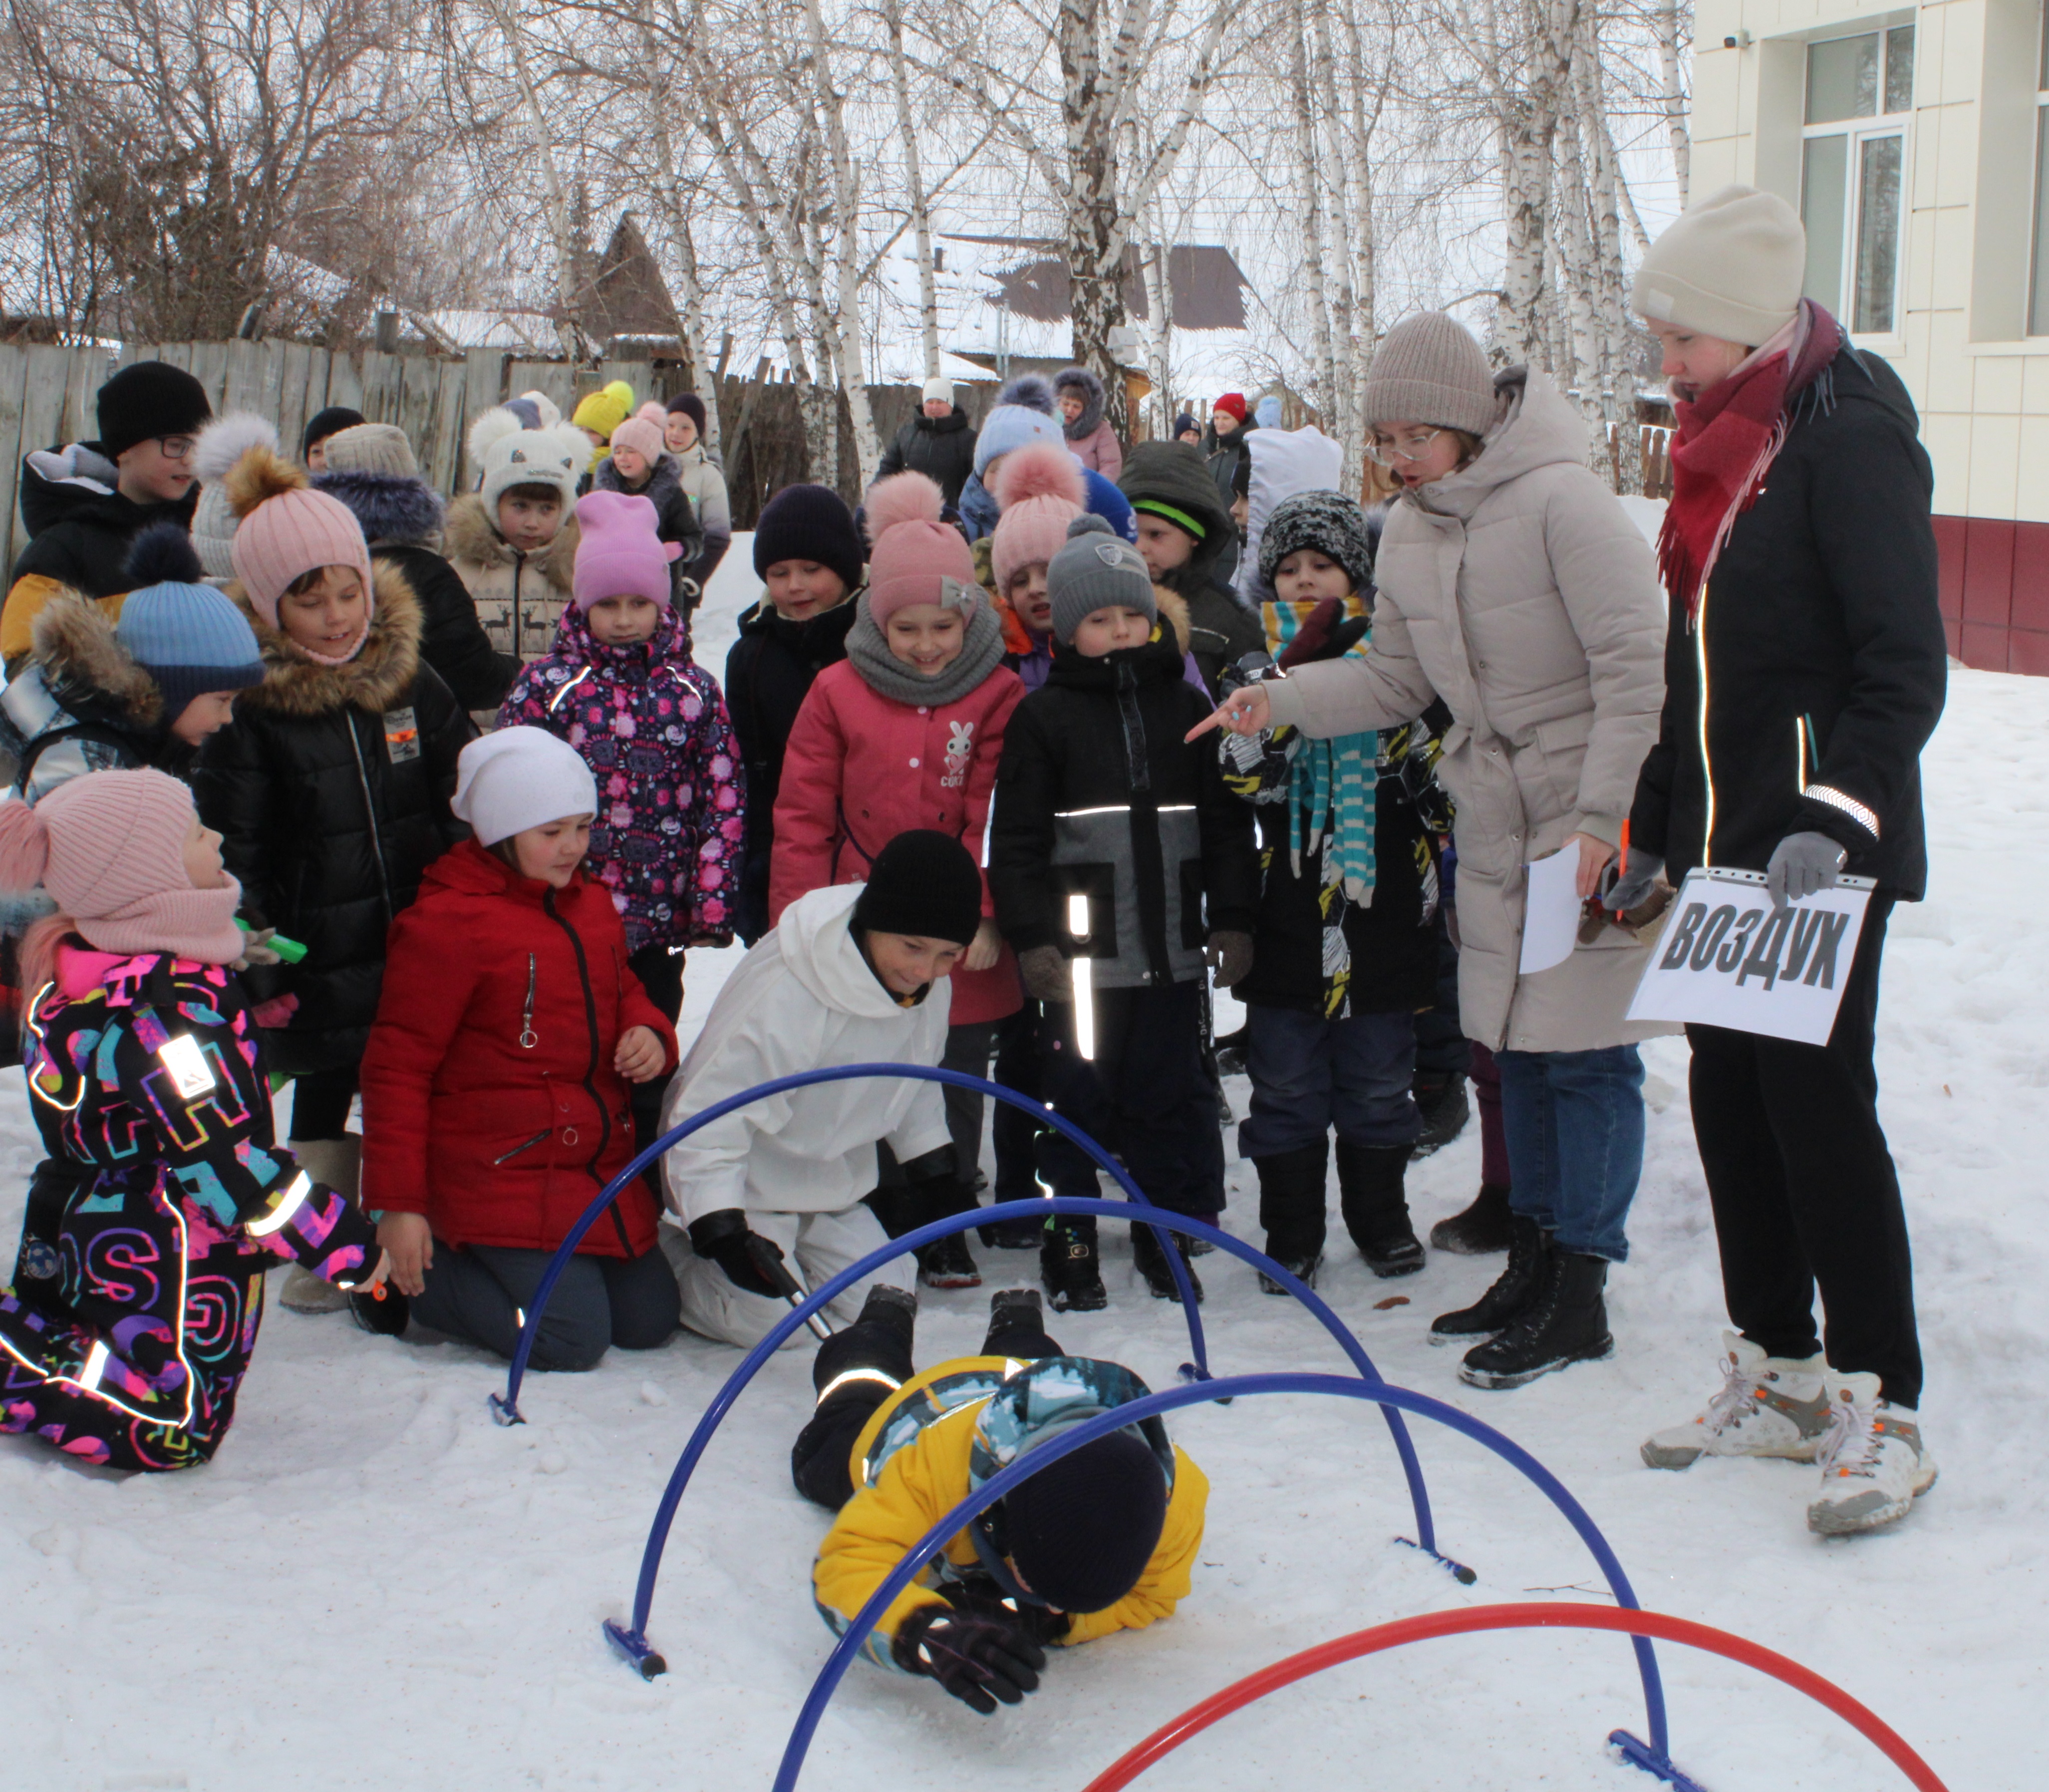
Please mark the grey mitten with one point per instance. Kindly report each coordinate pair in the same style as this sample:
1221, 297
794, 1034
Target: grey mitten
1230, 956
1632, 889
1801, 864
1044, 969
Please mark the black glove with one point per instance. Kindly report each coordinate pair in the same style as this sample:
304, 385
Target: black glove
984, 1599
752, 1263
979, 1660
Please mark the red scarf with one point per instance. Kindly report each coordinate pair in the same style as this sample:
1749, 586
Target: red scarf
1725, 444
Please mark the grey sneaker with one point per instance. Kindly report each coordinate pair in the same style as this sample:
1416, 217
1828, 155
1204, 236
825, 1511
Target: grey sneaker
1767, 1406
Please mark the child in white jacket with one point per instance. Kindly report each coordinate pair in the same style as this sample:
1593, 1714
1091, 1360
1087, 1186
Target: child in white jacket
853, 974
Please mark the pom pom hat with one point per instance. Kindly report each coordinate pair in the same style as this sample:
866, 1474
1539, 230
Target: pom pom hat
109, 847
619, 552
604, 410
644, 438
221, 444
287, 530
513, 778
190, 638
918, 559
1040, 491
1009, 427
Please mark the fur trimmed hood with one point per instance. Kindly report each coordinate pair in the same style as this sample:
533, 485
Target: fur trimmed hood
392, 509
665, 478
1174, 612
377, 679
1082, 381
468, 533
86, 669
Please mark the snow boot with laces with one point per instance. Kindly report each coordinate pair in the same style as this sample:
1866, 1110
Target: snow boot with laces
1069, 1267
1152, 1263
1503, 1304
1481, 1229
1293, 1210
1566, 1323
1873, 1465
1375, 1205
1766, 1406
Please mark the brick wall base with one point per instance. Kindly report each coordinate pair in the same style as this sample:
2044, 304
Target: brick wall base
1995, 592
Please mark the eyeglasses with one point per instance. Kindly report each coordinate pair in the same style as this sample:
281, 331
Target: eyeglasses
1411, 447
177, 448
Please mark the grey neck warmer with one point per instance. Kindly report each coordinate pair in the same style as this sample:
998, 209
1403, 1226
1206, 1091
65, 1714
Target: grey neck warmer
982, 651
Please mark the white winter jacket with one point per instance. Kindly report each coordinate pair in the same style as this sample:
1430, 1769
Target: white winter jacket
802, 999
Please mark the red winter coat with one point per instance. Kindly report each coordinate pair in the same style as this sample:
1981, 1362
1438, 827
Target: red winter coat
489, 1101
861, 767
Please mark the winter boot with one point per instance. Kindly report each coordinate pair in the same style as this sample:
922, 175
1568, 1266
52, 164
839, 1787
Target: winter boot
338, 1163
1293, 1209
1566, 1323
1528, 1246
1481, 1229
1012, 1234
1069, 1267
1376, 1208
1766, 1406
1873, 1466
875, 1348
384, 1311
1445, 1107
945, 1262
1152, 1264
1014, 1313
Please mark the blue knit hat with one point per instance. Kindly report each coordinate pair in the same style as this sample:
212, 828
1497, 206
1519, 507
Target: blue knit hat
810, 522
1012, 425
190, 638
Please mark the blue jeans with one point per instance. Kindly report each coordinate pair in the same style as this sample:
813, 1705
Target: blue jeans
1575, 1126
1310, 1076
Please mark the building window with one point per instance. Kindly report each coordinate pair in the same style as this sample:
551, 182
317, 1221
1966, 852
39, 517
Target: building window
1853, 173
2038, 297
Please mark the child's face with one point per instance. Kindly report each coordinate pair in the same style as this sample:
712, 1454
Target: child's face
551, 853
528, 523
926, 637
1164, 547
206, 714
1071, 406
618, 622
1030, 599
800, 588
157, 471
632, 465
907, 961
1241, 512
201, 853
679, 433
326, 617
1308, 576
596, 441
1436, 452
1106, 630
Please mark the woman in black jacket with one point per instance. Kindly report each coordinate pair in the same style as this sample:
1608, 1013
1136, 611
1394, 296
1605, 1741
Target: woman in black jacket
330, 789
937, 442
1805, 671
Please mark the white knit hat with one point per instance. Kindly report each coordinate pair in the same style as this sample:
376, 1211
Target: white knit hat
517, 778
508, 454
1730, 266
939, 386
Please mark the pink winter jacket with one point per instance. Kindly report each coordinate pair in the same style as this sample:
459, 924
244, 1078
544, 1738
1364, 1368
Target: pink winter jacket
1101, 450
861, 767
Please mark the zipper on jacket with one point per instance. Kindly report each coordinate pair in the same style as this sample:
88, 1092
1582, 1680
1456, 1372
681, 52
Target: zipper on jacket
590, 1071
528, 1038
528, 1146
369, 810
1707, 761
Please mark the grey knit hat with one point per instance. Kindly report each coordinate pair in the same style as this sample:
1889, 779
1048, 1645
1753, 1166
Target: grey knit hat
372, 448
1430, 369
1730, 266
1328, 522
1096, 569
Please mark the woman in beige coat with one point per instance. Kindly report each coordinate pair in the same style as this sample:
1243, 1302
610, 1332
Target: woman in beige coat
1513, 585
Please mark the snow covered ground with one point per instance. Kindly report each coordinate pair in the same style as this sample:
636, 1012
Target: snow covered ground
375, 1586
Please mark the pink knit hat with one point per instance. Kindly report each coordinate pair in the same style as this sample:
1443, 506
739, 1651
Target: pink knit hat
1040, 491
644, 438
287, 530
915, 554
618, 553
110, 849
656, 412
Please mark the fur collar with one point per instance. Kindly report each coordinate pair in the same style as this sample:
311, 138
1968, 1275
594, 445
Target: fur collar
85, 667
378, 678
1174, 612
1083, 381
468, 534
665, 478
393, 511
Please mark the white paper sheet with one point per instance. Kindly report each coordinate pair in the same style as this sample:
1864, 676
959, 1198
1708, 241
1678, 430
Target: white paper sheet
1551, 911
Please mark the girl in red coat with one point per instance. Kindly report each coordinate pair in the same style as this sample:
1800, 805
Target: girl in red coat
495, 1102
903, 733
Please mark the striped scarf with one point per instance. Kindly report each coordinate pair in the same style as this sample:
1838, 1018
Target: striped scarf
1335, 784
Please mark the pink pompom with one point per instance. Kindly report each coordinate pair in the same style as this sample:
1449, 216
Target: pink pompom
654, 412
25, 847
902, 498
1040, 470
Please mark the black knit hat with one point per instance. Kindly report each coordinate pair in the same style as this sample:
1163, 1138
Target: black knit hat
330, 421
1329, 521
1080, 1532
810, 522
693, 407
925, 884
149, 400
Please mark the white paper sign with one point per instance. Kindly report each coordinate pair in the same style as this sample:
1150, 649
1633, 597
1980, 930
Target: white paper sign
1726, 957
1550, 912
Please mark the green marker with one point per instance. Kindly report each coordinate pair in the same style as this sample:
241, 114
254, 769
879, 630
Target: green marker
290, 950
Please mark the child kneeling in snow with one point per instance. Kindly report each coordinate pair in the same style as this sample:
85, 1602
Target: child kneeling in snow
1101, 1541
853, 974
495, 1100
142, 1065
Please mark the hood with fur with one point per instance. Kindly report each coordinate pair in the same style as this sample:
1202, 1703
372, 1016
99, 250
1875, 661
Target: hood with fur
1082, 381
378, 678
468, 533
664, 476
86, 669
393, 510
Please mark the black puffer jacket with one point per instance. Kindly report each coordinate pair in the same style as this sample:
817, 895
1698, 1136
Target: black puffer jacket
402, 521
1220, 628
674, 519
767, 675
1098, 792
942, 448
330, 790
1820, 645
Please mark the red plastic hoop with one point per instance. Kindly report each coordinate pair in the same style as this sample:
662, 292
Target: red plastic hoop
1170, 1736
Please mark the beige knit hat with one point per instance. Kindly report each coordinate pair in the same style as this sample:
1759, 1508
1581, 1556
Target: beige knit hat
1430, 369
371, 447
1730, 266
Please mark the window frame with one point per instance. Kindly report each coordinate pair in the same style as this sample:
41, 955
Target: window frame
1859, 131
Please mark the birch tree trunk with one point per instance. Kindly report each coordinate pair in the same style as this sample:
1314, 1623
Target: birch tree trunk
1309, 187
561, 228
921, 216
1666, 22
662, 107
1095, 243
1340, 419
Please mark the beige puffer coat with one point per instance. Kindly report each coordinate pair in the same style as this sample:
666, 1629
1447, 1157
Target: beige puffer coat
1517, 590
520, 597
